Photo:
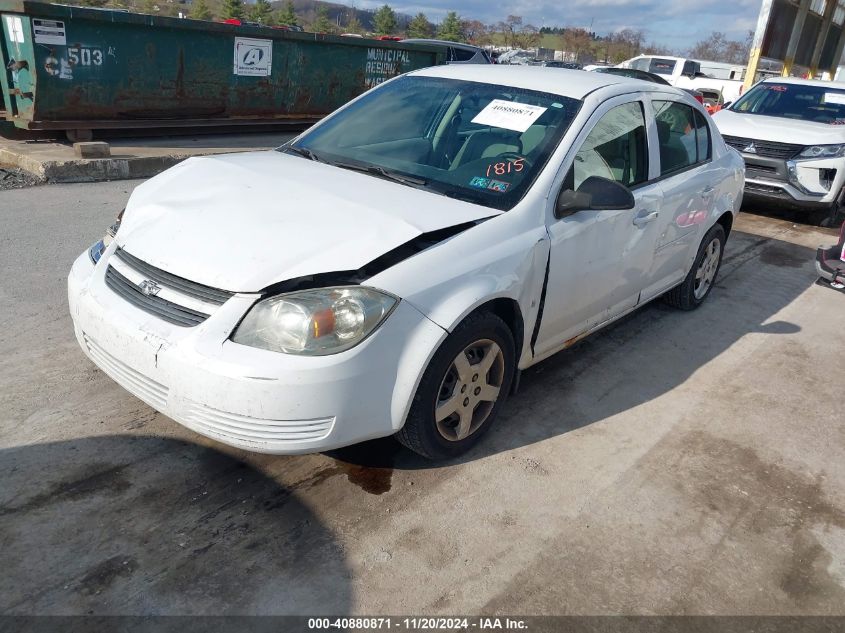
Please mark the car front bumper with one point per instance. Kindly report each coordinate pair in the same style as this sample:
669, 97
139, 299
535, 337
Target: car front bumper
800, 183
246, 397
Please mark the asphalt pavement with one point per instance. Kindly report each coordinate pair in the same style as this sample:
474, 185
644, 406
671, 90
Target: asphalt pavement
677, 463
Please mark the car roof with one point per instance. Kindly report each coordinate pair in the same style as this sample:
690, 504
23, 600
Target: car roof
418, 40
575, 84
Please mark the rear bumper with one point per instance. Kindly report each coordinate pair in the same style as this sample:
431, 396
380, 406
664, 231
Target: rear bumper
246, 397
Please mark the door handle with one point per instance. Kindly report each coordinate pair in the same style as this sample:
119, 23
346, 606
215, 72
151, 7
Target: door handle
642, 220
708, 189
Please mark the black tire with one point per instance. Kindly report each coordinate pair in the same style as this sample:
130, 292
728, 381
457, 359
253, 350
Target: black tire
683, 296
421, 432
833, 217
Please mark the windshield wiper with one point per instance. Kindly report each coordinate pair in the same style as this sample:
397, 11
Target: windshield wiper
302, 151
381, 172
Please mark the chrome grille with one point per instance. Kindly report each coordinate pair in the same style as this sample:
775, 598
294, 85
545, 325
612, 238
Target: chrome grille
186, 287
769, 149
177, 300
166, 310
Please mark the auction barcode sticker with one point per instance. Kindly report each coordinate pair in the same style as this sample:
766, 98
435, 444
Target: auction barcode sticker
510, 115
834, 97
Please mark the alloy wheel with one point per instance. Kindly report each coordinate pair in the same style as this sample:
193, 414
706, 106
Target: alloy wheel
469, 390
706, 273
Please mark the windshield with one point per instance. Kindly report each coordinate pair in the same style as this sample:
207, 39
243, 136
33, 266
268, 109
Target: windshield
476, 142
822, 104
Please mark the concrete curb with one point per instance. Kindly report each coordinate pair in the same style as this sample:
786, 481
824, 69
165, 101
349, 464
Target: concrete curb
50, 161
91, 170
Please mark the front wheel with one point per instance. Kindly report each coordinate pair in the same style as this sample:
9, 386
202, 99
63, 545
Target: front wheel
832, 217
462, 390
698, 283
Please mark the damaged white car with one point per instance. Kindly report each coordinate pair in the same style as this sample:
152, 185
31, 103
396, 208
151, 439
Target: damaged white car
392, 269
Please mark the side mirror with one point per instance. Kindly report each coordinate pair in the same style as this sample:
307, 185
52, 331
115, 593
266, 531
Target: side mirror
596, 194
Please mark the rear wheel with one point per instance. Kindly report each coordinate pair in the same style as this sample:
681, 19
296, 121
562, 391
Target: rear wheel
462, 390
698, 283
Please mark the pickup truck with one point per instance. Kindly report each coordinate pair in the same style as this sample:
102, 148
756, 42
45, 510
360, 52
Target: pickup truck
686, 73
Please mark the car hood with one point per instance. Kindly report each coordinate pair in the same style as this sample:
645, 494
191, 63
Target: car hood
242, 222
777, 129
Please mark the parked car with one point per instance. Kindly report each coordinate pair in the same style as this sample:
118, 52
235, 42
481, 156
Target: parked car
686, 73
553, 63
791, 133
646, 76
393, 269
456, 52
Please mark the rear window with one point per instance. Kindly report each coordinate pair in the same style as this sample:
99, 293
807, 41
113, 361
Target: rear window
661, 66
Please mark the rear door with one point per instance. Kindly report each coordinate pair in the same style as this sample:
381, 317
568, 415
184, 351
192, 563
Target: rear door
686, 181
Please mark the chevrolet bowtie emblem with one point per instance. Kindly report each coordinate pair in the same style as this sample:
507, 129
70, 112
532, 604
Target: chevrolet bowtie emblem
149, 287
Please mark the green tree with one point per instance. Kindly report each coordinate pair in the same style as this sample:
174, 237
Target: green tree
200, 10
287, 15
232, 9
384, 21
419, 26
261, 11
450, 28
322, 24
353, 24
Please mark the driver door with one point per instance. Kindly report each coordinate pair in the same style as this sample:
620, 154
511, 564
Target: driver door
601, 260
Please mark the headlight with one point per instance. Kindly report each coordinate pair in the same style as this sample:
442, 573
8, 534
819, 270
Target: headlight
315, 322
823, 151
96, 250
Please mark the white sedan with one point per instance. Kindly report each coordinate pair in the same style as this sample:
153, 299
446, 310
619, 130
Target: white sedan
392, 269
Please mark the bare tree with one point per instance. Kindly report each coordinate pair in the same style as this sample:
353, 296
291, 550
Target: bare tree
476, 32
718, 48
576, 41
511, 28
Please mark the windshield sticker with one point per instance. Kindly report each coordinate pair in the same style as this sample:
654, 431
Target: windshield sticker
775, 87
834, 97
509, 115
506, 167
488, 183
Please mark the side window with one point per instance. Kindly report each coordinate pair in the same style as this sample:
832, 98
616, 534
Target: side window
462, 54
702, 138
641, 63
677, 134
616, 148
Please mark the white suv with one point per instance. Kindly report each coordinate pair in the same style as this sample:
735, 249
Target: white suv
791, 133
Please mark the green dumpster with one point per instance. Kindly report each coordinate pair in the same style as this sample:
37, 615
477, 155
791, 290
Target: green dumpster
79, 69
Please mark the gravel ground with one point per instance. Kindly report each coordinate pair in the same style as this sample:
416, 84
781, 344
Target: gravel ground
11, 178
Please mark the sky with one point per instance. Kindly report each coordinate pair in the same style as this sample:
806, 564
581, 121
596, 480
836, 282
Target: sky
678, 24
